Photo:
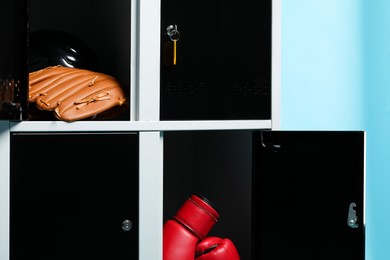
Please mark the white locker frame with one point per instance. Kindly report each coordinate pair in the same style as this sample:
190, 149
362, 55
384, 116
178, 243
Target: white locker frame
144, 118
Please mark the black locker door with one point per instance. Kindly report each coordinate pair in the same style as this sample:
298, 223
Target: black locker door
74, 196
13, 59
308, 195
223, 59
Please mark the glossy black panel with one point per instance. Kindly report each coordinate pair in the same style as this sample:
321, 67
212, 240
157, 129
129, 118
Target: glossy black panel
70, 193
13, 59
304, 184
223, 60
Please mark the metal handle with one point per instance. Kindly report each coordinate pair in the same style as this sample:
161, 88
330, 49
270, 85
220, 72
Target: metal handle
352, 218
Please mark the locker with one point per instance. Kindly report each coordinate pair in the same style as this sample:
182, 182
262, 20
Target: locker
279, 193
222, 53
74, 195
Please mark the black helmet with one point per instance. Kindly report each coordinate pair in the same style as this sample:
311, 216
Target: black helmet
51, 48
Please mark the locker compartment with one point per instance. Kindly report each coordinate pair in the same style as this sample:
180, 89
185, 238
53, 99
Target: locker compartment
215, 60
216, 165
279, 194
93, 35
74, 196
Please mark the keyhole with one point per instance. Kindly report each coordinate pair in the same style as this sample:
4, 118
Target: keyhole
127, 225
172, 32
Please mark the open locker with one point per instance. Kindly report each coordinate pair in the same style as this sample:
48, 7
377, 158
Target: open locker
279, 193
89, 35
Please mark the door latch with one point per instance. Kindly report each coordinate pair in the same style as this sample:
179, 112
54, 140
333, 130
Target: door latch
352, 218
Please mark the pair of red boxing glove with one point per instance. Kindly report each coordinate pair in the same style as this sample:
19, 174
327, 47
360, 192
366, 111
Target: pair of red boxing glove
184, 236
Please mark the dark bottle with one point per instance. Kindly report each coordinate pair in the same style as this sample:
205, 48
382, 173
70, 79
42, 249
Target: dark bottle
13, 59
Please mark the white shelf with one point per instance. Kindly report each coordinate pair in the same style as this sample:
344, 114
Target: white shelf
98, 126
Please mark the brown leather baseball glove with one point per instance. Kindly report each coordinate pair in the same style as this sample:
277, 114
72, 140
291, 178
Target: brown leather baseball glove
74, 94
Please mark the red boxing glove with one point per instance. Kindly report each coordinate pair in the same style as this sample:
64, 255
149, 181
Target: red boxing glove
190, 224
215, 248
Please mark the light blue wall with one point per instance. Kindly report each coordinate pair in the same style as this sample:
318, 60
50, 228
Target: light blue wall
322, 84
376, 65
336, 75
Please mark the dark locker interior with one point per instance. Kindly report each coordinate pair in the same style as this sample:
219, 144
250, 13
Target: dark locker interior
99, 31
74, 196
216, 165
